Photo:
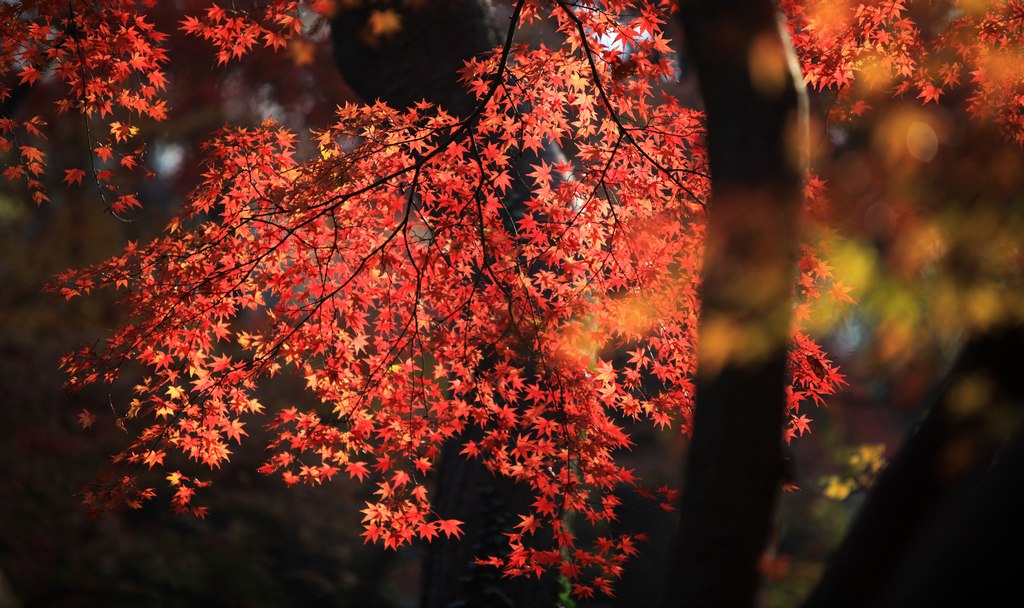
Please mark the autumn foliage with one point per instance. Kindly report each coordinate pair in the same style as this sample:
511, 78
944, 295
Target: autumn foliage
385, 266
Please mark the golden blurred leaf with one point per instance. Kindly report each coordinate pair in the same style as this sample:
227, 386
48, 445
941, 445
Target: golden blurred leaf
384, 23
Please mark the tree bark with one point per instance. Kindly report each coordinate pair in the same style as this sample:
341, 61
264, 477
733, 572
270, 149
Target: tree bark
755, 107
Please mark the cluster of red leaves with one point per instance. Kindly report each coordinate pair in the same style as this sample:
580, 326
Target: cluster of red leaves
111, 62
986, 45
920, 47
391, 275
835, 40
235, 32
107, 54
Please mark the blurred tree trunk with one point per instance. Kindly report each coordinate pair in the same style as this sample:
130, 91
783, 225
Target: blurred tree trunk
7, 597
420, 61
755, 105
943, 524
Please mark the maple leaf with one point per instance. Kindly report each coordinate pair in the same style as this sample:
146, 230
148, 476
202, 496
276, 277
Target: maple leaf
450, 527
428, 531
105, 153
423, 465
529, 523
399, 479
29, 75
359, 343
544, 506
801, 424
153, 458
191, 25
930, 92
583, 591
73, 176
357, 470
86, 419
32, 154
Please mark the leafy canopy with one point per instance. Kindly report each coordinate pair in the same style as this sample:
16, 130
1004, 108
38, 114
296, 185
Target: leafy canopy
390, 271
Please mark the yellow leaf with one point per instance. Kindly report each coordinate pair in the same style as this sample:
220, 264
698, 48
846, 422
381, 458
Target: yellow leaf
384, 23
838, 489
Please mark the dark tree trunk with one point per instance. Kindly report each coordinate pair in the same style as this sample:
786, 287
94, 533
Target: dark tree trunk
422, 59
756, 138
944, 519
975, 558
421, 62
466, 490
